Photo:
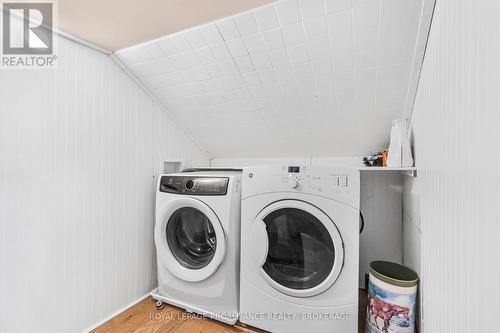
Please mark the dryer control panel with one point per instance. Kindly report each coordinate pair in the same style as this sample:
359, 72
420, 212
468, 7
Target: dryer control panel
194, 185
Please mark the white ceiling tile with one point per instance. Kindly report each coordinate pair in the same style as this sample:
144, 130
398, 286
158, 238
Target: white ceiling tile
266, 18
202, 100
279, 57
264, 103
288, 11
144, 69
303, 69
251, 79
284, 73
272, 89
205, 55
333, 6
258, 91
216, 85
394, 32
164, 66
236, 47
244, 64
154, 50
134, 55
167, 45
217, 98
312, 8
390, 94
180, 42
192, 89
158, 81
340, 28
220, 51
316, 29
196, 74
322, 67
294, 34
184, 60
326, 85
298, 53
254, 43
246, 23
266, 76
215, 70
211, 33
230, 96
319, 50
227, 28
365, 59
168, 92
366, 84
152, 67
236, 82
344, 80
273, 39
195, 38
289, 87
261, 60
229, 67
365, 25
242, 93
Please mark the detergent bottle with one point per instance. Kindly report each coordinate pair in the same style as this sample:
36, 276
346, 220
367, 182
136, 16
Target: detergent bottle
399, 154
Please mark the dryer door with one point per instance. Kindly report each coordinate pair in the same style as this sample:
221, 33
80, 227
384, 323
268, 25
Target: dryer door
190, 240
298, 248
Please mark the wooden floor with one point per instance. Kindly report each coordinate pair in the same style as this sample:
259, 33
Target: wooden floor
145, 318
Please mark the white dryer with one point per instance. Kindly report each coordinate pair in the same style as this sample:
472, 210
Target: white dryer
299, 249
197, 236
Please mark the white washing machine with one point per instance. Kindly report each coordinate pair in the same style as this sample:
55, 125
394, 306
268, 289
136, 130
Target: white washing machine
300, 248
197, 237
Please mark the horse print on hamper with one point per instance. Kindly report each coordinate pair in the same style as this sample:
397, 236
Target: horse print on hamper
388, 312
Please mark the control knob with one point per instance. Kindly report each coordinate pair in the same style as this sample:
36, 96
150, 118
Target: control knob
292, 183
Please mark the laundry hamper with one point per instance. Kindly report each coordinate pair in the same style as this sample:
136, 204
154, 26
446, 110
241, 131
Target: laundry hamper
392, 295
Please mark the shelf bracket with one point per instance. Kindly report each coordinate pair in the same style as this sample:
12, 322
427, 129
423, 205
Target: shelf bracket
410, 173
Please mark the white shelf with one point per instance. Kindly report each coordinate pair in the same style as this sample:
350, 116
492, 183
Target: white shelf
387, 168
407, 171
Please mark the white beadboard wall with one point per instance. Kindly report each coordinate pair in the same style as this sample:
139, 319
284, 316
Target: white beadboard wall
455, 130
79, 146
412, 234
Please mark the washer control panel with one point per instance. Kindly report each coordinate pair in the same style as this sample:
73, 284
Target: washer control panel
194, 185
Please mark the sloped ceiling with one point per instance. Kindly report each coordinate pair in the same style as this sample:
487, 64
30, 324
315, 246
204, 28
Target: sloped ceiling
293, 78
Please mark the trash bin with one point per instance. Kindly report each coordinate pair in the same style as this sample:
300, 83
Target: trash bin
392, 297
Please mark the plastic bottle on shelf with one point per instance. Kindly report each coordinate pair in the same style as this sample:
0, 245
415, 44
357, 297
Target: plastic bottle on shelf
399, 154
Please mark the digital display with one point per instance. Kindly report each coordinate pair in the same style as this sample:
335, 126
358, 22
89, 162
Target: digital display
293, 169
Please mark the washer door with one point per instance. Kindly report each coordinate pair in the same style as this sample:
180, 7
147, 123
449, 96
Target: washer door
297, 247
190, 240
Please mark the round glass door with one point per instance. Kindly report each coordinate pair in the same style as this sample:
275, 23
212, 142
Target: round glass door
298, 248
190, 241
191, 238
300, 251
